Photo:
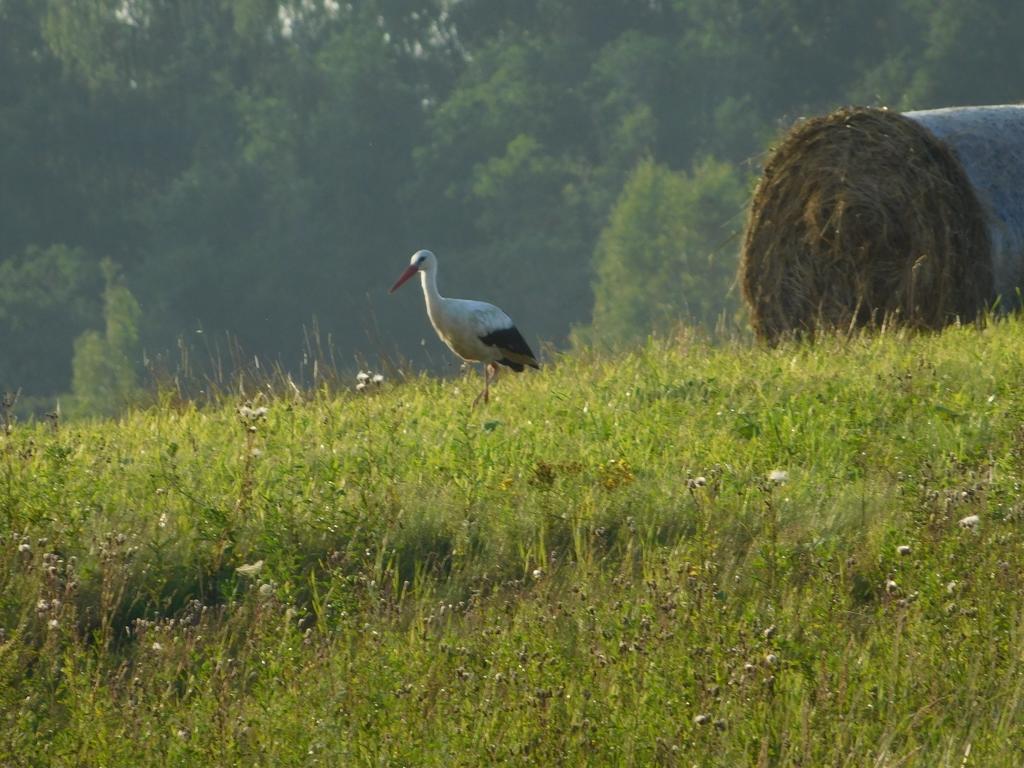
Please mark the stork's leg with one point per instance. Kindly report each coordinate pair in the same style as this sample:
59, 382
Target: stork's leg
490, 374
483, 393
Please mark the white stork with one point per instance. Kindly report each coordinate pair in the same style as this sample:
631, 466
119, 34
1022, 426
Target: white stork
476, 331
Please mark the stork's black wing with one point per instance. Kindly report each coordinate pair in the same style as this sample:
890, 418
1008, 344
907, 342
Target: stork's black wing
516, 353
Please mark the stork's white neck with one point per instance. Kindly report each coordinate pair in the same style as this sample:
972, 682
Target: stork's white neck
428, 277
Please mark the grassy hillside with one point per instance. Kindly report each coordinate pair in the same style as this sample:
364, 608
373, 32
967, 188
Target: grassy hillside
683, 555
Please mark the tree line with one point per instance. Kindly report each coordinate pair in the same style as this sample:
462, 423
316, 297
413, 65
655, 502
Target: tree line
174, 170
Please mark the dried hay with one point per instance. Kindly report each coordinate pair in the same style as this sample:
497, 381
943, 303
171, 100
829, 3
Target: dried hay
862, 217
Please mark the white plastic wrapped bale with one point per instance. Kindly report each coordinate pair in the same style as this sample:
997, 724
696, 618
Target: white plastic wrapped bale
989, 143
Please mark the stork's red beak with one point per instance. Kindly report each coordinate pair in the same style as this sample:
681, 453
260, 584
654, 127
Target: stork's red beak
411, 270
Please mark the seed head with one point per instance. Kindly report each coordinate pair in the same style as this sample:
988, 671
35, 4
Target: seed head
250, 569
970, 522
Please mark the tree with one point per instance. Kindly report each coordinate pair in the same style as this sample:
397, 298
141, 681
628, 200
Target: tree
105, 365
46, 296
669, 251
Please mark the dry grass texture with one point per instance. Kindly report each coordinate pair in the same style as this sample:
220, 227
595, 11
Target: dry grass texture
862, 217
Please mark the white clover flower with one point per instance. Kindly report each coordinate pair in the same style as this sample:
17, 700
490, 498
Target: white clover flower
360, 386
53, 624
778, 476
162, 521
970, 522
903, 549
157, 647
378, 379
537, 573
362, 376
891, 587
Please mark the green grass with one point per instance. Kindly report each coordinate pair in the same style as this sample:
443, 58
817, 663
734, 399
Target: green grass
595, 569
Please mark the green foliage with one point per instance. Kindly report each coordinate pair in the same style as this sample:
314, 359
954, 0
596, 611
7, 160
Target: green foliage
46, 296
736, 555
669, 251
105, 366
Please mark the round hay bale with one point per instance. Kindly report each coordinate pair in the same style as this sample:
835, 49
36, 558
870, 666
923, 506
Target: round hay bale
866, 216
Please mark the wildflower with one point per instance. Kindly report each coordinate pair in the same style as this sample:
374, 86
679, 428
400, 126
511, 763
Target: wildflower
891, 587
537, 573
360, 386
248, 413
162, 522
53, 624
266, 589
362, 376
701, 719
771, 659
903, 549
970, 522
157, 647
378, 379
250, 569
25, 548
778, 476
697, 482
951, 587
769, 632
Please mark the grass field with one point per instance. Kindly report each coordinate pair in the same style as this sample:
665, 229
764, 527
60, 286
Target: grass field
680, 555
